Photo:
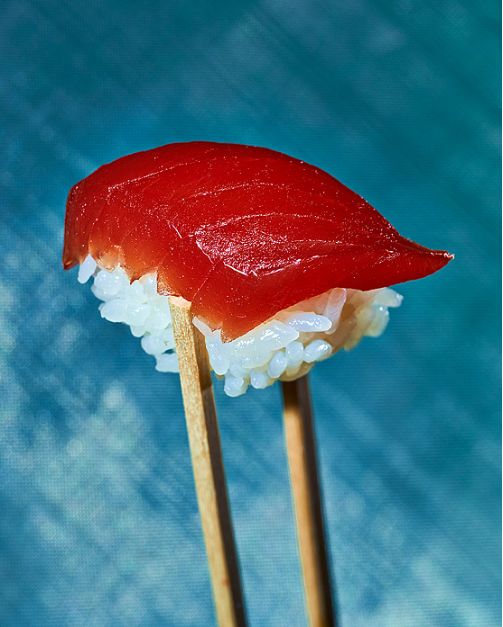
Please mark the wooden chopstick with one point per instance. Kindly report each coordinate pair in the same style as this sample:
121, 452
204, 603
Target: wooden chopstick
207, 462
305, 484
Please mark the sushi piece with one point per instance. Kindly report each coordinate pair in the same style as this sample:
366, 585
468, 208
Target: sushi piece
282, 264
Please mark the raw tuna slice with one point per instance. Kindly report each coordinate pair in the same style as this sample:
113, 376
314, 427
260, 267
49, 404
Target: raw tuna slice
241, 232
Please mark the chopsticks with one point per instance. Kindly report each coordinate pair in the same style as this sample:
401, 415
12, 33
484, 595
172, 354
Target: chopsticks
211, 488
306, 490
208, 468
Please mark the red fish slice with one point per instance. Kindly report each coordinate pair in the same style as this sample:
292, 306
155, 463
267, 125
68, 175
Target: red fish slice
241, 232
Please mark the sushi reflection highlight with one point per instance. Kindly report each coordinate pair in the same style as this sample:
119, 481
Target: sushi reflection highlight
285, 347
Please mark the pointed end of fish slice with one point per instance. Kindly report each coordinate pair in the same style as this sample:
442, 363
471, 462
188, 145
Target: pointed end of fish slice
68, 261
418, 261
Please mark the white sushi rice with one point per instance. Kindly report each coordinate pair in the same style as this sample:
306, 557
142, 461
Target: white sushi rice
284, 347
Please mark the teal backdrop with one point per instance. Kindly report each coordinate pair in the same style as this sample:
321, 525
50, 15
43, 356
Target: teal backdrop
98, 517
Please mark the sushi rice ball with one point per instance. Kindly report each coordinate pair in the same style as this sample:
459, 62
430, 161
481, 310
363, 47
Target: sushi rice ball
284, 348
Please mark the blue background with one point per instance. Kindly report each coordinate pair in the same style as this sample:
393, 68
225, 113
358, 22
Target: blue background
98, 518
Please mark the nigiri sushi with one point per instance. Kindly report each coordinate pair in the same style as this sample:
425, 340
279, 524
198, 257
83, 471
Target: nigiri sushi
283, 265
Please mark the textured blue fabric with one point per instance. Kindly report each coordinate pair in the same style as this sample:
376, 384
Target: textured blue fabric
98, 517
